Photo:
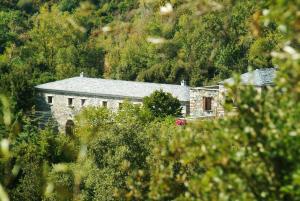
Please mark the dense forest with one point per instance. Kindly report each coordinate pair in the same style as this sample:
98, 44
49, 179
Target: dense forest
201, 42
132, 154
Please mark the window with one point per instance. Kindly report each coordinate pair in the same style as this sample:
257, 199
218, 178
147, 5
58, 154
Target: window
104, 103
69, 129
50, 99
207, 103
70, 101
83, 102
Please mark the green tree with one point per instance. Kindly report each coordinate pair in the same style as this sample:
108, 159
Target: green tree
116, 147
12, 25
260, 51
252, 155
67, 5
57, 41
162, 104
129, 155
25, 153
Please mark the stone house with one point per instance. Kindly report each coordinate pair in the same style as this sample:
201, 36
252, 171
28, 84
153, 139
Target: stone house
63, 99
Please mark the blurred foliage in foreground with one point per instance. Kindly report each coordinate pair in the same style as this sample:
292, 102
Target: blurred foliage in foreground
130, 156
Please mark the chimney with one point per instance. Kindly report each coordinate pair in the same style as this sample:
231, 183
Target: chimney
81, 74
183, 83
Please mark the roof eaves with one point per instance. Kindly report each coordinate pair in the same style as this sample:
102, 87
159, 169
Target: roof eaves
86, 93
96, 94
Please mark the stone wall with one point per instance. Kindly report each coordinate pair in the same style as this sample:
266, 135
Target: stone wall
62, 112
196, 101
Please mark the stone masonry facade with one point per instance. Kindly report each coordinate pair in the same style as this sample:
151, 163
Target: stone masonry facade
64, 99
198, 96
62, 111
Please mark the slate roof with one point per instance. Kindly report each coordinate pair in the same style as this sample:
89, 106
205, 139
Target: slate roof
258, 77
113, 88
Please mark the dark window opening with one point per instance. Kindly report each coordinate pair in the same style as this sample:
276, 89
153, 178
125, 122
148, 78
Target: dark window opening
207, 103
83, 102
50, 99
70, 127
70, 101
104, 103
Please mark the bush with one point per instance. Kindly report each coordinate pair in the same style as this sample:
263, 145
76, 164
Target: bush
162, 104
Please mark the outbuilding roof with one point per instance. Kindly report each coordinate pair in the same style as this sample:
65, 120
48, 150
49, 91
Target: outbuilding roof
258, 77
113, 88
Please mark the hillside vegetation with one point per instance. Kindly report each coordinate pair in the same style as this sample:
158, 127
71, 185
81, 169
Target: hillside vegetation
199, 41
137, 154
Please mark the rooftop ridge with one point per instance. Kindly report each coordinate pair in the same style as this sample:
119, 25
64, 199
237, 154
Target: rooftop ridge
257, 77
117, 88
140, 82
127, 81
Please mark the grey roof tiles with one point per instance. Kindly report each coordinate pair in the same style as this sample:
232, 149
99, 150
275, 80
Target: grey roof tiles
258, 77
114, 88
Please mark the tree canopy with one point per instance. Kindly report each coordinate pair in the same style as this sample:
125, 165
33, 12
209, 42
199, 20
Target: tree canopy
199, 41
162, 104
129, 154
